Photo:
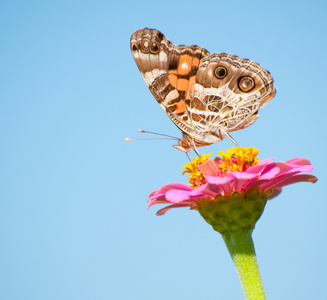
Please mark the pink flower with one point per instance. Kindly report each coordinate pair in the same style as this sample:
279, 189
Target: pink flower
237, 174
230, 193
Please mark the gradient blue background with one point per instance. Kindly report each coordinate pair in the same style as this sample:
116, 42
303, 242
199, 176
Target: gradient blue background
73, 218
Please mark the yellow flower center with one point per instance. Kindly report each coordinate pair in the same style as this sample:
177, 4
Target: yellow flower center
234, 160
237, 159
196, 178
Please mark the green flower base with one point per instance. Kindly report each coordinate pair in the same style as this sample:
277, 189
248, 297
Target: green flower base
234, 217
233, 212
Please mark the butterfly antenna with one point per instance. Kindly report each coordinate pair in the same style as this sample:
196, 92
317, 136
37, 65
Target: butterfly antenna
164, 136
149, 139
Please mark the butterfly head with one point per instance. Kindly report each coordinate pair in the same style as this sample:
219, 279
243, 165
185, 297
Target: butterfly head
183, 146
187, 143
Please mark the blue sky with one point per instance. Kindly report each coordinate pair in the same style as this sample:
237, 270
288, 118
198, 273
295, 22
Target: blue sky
73, 218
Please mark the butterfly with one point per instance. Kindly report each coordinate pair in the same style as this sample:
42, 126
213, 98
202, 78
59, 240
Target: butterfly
206, 96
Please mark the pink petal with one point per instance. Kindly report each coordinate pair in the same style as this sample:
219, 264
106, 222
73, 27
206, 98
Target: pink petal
241, 180
298, 161
259, 167
290, 167
275, 193
303, 168
153, 202
175, 196
294, 179
203, 191
158, 198
167, 187
266, 176
276, 182
269, 178
170, 186
165, 209
209, 168
270, 173
219, 185
280, 166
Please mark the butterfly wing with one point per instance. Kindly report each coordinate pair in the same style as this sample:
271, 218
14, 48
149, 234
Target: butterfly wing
228, 93
169, 71
205, 95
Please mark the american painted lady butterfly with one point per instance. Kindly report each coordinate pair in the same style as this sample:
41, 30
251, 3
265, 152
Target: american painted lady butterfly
206, 96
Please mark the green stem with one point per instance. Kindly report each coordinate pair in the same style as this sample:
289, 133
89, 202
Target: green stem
241, 248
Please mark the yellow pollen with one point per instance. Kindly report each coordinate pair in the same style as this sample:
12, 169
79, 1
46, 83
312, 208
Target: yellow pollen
234, 160
245, 157
196, 178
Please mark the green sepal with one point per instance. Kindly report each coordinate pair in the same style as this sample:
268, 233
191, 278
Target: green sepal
233, 212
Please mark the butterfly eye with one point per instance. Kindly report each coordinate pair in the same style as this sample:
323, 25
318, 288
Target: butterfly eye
246, 83
145, 46
220, 72
154, 48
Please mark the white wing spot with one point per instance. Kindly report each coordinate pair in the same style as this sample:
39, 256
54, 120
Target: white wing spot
184, 65
162, 57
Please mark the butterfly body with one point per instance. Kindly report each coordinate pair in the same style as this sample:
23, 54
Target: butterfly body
206, 96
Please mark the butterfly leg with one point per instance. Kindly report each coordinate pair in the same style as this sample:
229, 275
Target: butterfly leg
188, 156
229, 136
196, 151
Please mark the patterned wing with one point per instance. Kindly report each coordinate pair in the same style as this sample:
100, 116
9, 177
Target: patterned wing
169, 71
228, 93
